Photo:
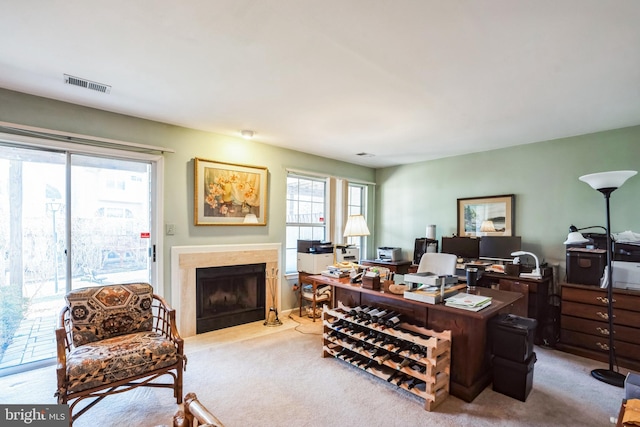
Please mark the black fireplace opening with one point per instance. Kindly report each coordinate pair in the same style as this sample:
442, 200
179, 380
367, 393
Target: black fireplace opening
229, 296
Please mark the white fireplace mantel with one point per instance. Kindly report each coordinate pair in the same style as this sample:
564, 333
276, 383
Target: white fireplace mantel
186, 259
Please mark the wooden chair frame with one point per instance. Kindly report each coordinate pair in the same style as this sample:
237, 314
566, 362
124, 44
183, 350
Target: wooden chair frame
164, 322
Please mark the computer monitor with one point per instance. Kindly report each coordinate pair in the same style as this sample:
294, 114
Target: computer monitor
499, 247
462, 247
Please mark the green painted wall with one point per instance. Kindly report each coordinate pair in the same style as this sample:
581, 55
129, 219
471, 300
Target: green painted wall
178, 204
543, 176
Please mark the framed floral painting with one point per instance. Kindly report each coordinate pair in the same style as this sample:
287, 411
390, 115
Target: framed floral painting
229, 194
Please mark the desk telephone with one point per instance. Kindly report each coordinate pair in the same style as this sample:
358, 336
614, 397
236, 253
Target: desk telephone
357, 278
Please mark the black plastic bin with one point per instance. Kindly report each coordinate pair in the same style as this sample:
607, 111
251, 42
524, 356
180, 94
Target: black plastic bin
513, 379
512, 336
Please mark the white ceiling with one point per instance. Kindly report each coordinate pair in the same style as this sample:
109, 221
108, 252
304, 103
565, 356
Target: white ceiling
404, 80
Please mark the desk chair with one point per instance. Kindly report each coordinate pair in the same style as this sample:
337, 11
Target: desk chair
319, 296
438, 263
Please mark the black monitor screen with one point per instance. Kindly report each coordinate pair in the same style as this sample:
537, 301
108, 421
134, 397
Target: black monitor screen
462, 247
499, 247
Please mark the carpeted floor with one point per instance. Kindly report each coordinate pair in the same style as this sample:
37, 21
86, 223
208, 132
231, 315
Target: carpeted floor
281, 379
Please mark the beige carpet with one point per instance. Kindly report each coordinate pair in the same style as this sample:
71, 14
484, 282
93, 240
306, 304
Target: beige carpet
280, 379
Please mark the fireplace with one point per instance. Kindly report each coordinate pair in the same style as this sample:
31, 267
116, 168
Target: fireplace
185, 260
229, 296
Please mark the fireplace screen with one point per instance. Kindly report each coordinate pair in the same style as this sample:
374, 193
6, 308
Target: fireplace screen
230, 295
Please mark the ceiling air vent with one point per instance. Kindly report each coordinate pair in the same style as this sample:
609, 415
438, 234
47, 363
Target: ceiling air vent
364, 154
87, 84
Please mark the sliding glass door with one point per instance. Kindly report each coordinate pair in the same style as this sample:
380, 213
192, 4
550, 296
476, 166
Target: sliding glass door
67, 220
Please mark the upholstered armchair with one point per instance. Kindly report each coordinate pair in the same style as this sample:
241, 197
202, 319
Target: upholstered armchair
113, 338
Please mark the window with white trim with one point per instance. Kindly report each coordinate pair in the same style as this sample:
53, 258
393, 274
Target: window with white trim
356, 205
306, 214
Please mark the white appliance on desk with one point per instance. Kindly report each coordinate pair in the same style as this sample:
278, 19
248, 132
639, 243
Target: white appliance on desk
347, 254
314, 263
626, 275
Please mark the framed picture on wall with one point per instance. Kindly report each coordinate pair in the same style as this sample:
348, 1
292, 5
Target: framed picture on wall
229, 194
487, 216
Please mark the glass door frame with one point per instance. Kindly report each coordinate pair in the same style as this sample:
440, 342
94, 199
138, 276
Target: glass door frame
156, 187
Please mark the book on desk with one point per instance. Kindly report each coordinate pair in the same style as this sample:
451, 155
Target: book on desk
469, 302
433, 295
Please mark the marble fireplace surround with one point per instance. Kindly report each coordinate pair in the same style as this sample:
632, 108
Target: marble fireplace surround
186, 259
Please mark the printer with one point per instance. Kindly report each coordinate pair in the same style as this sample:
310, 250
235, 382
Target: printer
314, 256
387, 253
346, 253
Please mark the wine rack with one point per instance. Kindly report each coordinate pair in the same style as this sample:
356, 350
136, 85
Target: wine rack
413, 358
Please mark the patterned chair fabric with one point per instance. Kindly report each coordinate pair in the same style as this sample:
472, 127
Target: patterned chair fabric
113, 338
109, 311
117, 358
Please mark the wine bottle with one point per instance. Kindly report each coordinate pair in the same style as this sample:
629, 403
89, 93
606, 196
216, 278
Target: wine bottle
379, 338
401, 379
355, 311
405, 362
402, 346
414, 383
418, 350
419, 368
381, 320
382, 356
335, 322
369, 315
372, 363
393, 321
364, 313
341, 324
376, 315
392, 376
341, 353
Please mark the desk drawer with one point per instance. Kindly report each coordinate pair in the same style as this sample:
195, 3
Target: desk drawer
599, 343
592, 327
598, 296
594, 312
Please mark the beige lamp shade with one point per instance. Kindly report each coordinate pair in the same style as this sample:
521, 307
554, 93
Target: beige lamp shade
356, 226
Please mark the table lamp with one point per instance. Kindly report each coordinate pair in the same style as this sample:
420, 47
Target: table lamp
607, 183
356, 227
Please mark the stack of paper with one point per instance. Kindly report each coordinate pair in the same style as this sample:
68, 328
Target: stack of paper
468, 301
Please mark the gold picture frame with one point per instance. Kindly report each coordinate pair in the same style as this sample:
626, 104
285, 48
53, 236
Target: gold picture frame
229, 193
486, 216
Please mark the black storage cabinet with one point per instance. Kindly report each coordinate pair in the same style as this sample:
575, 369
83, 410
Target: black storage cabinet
512, 337
513, 379
585, 266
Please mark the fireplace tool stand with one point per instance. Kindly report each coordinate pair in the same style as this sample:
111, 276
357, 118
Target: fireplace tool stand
272, 316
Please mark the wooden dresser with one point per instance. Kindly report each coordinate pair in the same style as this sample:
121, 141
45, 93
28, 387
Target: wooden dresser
584, 325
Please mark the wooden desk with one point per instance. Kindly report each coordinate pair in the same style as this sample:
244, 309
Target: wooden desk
470, 355
399, 267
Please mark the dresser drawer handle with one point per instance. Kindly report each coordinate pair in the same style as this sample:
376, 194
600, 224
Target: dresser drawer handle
602, 346
602, 315
603, 331
605, 300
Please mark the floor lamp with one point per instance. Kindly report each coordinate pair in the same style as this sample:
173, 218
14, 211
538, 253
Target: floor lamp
607, 183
